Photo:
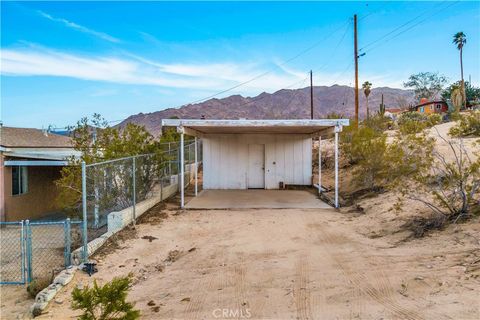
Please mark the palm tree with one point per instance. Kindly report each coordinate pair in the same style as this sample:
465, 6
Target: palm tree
366, 86
459, 39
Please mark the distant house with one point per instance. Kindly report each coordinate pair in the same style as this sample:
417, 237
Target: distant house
30, 162
393, 113
430, 107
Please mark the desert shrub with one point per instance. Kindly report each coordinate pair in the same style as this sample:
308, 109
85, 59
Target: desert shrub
37, 285
365, 148
105, 302
379, 123
335, 115
451, 189
411, 123
414, 122
433, 120
379, 165
468, 125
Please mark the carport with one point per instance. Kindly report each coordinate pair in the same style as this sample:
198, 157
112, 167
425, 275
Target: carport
256, 154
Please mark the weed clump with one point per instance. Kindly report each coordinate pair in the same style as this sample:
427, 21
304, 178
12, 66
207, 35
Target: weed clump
107, 302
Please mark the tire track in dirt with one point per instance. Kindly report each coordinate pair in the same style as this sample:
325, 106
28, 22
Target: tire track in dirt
194, 307
301, 291
382, 292
239, 274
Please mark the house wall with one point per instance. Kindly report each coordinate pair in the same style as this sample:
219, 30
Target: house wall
288, 158
40, 198
2, 188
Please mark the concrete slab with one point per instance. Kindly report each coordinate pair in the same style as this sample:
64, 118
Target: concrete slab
256, 199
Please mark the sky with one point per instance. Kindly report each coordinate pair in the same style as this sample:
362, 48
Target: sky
61, 61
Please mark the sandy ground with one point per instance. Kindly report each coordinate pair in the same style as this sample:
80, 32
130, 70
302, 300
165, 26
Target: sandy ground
287, 264
290, 264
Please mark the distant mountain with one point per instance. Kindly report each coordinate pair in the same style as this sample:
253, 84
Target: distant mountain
283, 104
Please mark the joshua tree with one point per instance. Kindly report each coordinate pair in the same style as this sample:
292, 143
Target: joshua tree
367, 86
459, 39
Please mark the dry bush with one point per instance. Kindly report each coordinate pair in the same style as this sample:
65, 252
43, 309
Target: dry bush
468, 125
37, 285
450, 189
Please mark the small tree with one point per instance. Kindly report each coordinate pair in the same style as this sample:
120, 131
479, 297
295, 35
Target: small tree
426, 84
97, 142
107, 302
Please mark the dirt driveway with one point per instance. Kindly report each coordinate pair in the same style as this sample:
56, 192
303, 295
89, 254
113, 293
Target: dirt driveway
284, 264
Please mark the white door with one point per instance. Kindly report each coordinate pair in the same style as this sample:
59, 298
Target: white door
256, 166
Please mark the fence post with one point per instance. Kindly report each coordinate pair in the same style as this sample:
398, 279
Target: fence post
134, 173
68, 242
84, 208
23, 250
28, 245
169, 162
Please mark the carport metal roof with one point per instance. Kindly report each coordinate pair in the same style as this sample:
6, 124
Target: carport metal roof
199, 127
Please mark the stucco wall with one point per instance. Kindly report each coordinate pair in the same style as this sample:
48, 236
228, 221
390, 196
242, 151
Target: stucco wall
288, 159
40, 198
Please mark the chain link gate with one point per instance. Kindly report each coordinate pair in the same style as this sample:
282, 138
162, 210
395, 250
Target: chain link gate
12, 248
36, 250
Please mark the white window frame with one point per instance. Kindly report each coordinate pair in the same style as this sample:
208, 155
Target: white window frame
22, 180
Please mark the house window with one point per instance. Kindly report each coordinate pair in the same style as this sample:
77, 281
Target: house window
439, 106
431, 107
19, 180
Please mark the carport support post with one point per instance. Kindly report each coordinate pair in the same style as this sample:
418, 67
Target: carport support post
182, 168
337, 130
196, 168
319, 164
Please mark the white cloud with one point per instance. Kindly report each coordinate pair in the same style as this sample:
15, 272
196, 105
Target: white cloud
35, 61
80, 28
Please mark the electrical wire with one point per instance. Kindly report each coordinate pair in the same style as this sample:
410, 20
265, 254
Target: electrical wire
316, 44
386, 36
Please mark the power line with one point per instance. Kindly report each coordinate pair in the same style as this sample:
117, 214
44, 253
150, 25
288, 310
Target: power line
316, 44
385, 36
314, 71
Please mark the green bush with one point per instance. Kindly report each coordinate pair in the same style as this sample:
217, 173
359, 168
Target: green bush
433, 120
378, 164
105, 302
414, 122
379, 123
468, 125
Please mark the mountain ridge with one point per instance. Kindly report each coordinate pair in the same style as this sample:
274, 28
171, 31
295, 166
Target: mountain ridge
282, 104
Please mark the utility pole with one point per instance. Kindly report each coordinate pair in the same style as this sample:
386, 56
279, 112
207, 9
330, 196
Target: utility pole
311, 94
356, 66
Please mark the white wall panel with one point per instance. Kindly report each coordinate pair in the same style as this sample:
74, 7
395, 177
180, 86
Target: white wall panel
288, 158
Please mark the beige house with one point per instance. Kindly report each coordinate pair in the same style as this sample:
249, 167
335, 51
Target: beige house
30, 162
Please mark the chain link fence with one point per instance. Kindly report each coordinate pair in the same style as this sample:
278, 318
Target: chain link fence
116, 192
36, 250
